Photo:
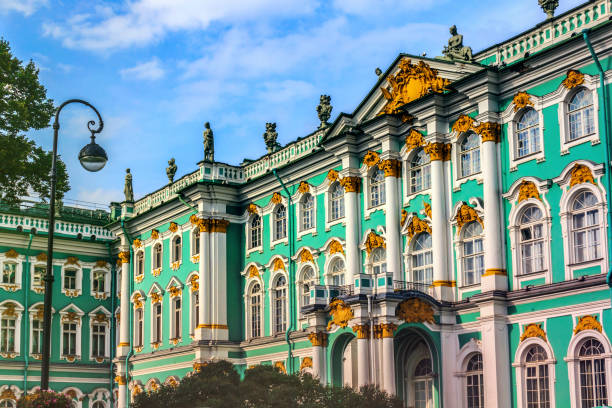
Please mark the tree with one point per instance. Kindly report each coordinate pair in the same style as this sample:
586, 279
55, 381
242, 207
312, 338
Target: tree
24, 166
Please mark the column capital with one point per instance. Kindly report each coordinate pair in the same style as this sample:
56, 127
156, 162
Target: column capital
488, 131
351, 184
438, 151
124, 257
120, 379
387, 330
318, 339
362, 330
391, 167
219, 225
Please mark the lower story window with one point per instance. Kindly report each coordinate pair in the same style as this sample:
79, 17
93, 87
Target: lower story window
69, 339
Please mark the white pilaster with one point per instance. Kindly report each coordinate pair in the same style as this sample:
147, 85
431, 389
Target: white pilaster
218, 276
392, 219
363, 354
122, 402
201, 331
351, 197
124, 328
450, 349
388, 359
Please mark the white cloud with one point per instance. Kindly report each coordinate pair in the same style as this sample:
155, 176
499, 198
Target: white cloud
65, 68
144, 21
368, 7
150, 70
26, 7
102, 196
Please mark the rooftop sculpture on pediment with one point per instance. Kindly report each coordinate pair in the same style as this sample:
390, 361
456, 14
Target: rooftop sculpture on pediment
455, 50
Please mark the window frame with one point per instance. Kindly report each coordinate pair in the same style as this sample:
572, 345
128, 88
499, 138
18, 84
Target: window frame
330, 273
302, 230
411, 252
195, 244
472, 151
284, 307
107, 333
17, 260
407, 169
65, 317
372, 176
590, 84
248, 295
106, 292
528, 129
510, 118
302, 282
155, 267
520, 367
331, 201
463, 256
37, 289
250, 230
176, 256
275, 221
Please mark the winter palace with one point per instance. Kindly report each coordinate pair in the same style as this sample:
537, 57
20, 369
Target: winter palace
448, 241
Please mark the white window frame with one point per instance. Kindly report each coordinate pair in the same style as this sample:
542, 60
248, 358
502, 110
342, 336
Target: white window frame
18, 261
461, 256
194, 247
328, 275
408, 254
474, 346
136, 257
79, 323
193, 317
106, 325
250, 248
272, 297
107, 283
520, 366
300, 212
153, 321
140, 334
563, 98
329, 222
369, 265
153, 263
304, 267
274, 240
18, 315
37, 289
173, 238
247, 302
32, 312
367, 176
458, 153
406, 160
458, 243
511, 118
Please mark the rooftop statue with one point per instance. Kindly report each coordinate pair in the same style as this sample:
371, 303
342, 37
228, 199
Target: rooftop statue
209, 143
455, 49
128, 190
171, 170
324, 110
270, 138
549, 7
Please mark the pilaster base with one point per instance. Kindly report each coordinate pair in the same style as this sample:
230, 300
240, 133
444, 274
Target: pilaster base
494, 279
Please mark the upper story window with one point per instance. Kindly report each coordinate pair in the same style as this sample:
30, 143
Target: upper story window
69, 334
474, 382
377, 188
422, 259
98, 340
70, 278
38, 277
532, 240
473, 253
307, 212
337, 271
157, 323
255, 232
422, 384
585, 228
419, 171
8, 326
593, 381
140, 263
255, 310
470, 155
99, 281
157, 256
176, 317
379, 261
280, 304
527, 134
195, 241
581, 115
308, 281
336, 204
280, 222
177, 248
139, 323
9, 272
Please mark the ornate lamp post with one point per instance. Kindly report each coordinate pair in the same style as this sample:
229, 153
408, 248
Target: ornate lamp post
92, 158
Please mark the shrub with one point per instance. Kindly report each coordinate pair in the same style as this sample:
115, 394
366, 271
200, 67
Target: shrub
45, 398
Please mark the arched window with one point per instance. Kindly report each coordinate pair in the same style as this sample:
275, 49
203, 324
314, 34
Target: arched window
139, 323
176, 249
336, 204
336, 270
255, 232
157, 323
255, 305
7, 333
473, 253
419, 171
307, 213
176, 317
536, 378
470, 155
98, 404
280, 304
195, 307
379, 261
474, 380
531, 240
139, 263
7, 403
581, 115
593, 381
280, 222
585, 228
195, 240
308, 280
527, 134
157, 256
422, 384
377, 188
422, 259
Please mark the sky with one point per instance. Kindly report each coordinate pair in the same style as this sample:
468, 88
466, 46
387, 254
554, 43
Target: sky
158, 69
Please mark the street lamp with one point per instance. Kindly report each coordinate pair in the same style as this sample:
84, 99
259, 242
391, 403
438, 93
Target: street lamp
92, 158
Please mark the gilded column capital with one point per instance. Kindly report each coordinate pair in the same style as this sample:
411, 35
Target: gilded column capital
318, 339
204, 225
124, 256
351, 184
488, 131
377, 331
120, 379
219, 226
362, 330
391, 167
438, 151
387, 330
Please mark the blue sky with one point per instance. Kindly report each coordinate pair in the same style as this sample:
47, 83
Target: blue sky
158, 69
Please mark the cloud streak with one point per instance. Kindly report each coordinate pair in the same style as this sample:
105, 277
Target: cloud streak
150, 70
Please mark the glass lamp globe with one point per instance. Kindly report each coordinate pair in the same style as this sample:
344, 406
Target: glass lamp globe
92, 156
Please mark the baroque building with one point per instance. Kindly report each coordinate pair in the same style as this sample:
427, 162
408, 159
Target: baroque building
408, 244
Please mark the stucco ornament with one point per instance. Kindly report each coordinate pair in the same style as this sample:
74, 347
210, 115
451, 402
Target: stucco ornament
417, 226
195, 285
573, 79
276, 198
11, 253
318, 339
438, 151
73, 260
533, 330
467, 214
455, 50
415, 310
414, 139
324, 110
137, 301
581, 174
306, 256
120, 380
335, 247
175, 291
350, 184
270, 136
8, 394
427, 208
137, 243
404, 216
549, 6
124, 256
304, 187
528, 190
209, 143
193, 219
521, 100
156, 298
306, 363
488, 131
587, 322
340, 314
171, 170
374, 241
9, 310
280, 366
332, 175
371, 159
41, 257
173, 227
128, 191
387, 330
278, 265
362, 331
252, 209
253, 272
463, 124
154, 234
390, 167
410, 83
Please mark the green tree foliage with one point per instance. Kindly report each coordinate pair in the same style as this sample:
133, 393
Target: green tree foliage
24, 166
48, 398
218, 385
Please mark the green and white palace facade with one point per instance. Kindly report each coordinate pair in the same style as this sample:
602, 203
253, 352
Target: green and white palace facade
447, 241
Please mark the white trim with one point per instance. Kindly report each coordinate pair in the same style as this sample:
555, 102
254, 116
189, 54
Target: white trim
193, 317
520, 367
407, 196
92, 314
160, 267
247, 302
458, 244
298, 206
366, 173
78, 338
272, 221
78, 278
328, 221
563, 97
472, 347
18, 262
456, 140
274, 275
19, 313
33, 264
107, 282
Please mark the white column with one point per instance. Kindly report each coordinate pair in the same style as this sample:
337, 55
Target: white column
495, 277
319, 345
392, 218
363, 354
122, 384
388, 358
201, 331
351, 201
218, 276
495, 352
124, 327
450, 349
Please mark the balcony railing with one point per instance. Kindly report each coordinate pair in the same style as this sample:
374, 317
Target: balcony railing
404, 286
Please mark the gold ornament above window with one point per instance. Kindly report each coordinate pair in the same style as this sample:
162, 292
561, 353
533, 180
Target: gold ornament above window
332, 175
253, 272
391, 167
521, 100
581, 174
278, 264
304, 187
70, 317
124, 256
427, 208
404, 216
533, 330
11, 253
335, 247
9, 310
100, 318
154, 234
306, 256
173, 227
156, 298
276, 198
417, 226
193, 219
371, 159
415, 310
467, 214
195, 285
340, 314
410, 83
8, 394
137, 301
463, 124
573, 79
306, 363
587, 322
100, 263
318, 339
137, 243
528, 190
374, 241
73, 260
42, 257
414, 140
175, 291
280, 366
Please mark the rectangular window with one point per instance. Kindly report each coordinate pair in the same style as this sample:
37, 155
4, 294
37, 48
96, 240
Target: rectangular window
7, 335
473, 262
195, 250
255, 316
139, 328
37, 336
70, 279
177, 318
9, 270
196, 309
70, 339
98, 283
39, 274
98, 340
157, 313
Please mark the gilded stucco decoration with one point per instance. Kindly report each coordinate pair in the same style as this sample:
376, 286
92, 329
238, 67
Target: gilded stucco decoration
318, 339
11, 253
533, 330
138, 301
404, 216
154, 234
371, 159
100, 318
219, 225
374, 241
280, 366
120, 380
137, 389
253, 272
414, 140
70, 317
175, 291
332, 175
172, 382
463, 124
427, 208
387, 330
306, 363
391, 167
252, 209
415, 310
73, 260
417, 226
528, 190
101, 263
467, 214
173, 227
278, 265
411, 82
306, 256
204, 225
587, 322
276, 198
488, 131
8, 394
350, 184
581, 174
124, 257
41, 257
438, 151
573, 79
340, 314
197, 367
195, 284
304, 187
193, 219
362, 331
156, 298
521, 100
335, 247
9, 310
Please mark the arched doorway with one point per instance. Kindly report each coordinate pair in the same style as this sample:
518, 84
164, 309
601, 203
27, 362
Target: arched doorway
344, 361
